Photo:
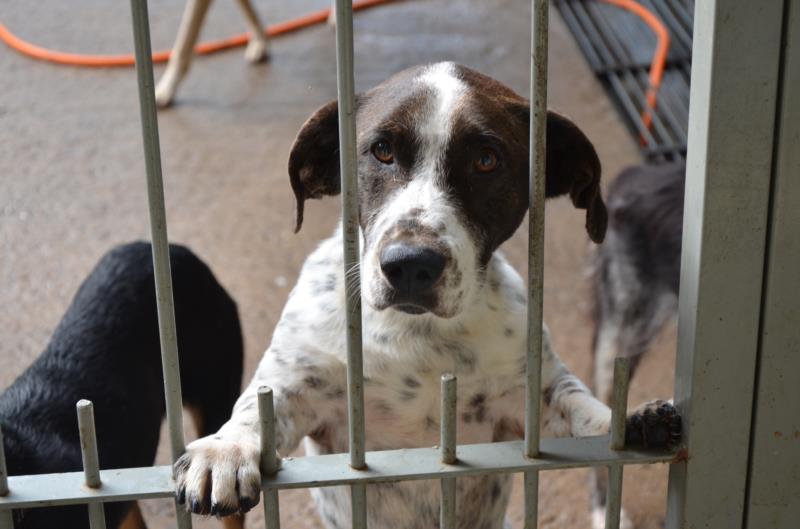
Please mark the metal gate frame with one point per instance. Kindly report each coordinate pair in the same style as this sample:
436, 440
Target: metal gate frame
737, 231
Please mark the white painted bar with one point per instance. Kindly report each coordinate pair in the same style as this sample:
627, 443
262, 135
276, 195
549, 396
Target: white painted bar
269, 455
158, 230
773, 499
328, 470
731, 124
91, 461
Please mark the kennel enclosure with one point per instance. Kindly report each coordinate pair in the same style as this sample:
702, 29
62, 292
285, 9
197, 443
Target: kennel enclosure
738, 357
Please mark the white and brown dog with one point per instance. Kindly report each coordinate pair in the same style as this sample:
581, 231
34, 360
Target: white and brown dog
443, 181
183, 50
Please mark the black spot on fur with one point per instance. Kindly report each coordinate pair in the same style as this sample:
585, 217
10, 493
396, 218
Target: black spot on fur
548, 395
407, 395
314, 382
335, 393
508, 332
411, 382
496, 491
477, 399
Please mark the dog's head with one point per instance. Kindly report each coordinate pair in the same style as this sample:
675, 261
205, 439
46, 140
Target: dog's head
443, 180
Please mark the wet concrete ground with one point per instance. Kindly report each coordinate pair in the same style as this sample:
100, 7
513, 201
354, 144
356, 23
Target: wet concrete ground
72, 179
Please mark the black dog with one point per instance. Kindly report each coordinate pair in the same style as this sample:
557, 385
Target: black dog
106, 349
636, 272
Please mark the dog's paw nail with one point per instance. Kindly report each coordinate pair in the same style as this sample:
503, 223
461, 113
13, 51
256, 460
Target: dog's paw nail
245, 504
195, 506
214, 509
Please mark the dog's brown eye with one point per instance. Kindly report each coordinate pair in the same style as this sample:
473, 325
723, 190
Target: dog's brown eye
486, 162
383, 152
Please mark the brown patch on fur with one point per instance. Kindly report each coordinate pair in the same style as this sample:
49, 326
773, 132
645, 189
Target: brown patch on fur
235, 521
134, 519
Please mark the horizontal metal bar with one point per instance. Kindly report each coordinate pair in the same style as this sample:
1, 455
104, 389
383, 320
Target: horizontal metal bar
323, 471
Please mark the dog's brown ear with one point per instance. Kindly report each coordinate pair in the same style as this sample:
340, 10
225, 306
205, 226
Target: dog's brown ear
314, 160
573, 167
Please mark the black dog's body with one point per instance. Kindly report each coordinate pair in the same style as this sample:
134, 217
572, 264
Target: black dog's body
636, 272
106, 349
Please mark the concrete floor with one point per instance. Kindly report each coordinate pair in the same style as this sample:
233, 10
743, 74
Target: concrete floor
72, 180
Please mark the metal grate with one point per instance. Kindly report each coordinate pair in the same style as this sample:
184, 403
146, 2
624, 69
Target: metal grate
619, 47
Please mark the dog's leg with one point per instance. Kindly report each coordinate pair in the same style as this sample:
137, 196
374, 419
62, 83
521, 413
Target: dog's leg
574, 411
233, 522
332, 15
258, 46
134, 519
182, 51
197, 419
219, 474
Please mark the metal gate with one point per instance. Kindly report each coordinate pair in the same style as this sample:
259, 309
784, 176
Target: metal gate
739, 342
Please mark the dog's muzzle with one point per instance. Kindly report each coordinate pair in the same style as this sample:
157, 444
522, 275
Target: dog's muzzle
413, 273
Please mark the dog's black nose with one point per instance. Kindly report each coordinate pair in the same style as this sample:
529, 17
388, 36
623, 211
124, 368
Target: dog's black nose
411, 269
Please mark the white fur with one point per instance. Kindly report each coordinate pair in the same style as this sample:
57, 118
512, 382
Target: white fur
484, 346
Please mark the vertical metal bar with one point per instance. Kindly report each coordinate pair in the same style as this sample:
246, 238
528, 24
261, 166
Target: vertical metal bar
158, 230
538, 128
3, 468
269, 457
728, 168
773, 498
350, 234
531, 488
619, 402
538, 146
619, 407
614, 497
350, 225
91, 461
6, 521
447, 440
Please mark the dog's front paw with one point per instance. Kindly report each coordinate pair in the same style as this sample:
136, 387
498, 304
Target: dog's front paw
218, 477
655, 424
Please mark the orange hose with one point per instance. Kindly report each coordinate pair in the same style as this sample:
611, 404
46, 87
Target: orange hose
102, 61
659, 56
